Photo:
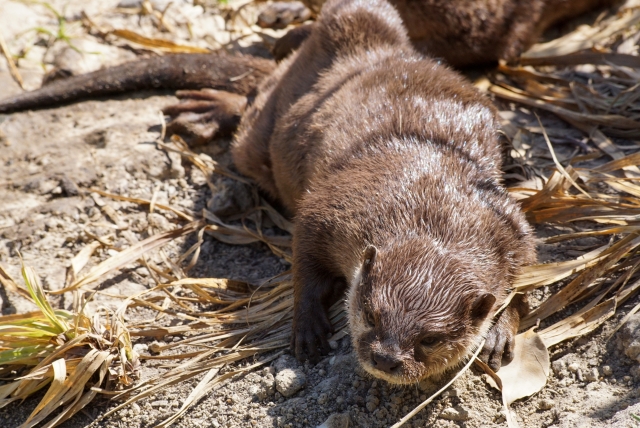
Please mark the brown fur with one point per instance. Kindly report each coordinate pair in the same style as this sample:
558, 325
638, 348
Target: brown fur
371, 146
280, 14
389, 163
291, 41
467, 32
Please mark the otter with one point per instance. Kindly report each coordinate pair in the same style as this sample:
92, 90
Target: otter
461, 32
474, 32
389, 163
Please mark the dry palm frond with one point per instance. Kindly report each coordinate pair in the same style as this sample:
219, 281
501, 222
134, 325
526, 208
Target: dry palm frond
247, 322
620, 217
587, 37
76, 354
605, 95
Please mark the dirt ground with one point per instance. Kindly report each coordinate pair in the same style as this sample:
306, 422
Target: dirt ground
109, 144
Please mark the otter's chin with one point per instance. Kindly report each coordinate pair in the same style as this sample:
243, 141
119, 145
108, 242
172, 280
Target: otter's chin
396, 379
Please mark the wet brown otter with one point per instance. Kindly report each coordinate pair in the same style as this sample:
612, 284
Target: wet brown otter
480, 31
390, 164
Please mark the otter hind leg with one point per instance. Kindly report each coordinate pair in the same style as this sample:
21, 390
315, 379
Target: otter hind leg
202, 115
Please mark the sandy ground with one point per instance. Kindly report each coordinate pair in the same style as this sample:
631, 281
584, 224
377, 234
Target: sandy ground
109, 144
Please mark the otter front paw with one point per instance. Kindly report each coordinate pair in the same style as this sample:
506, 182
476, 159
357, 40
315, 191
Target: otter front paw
500, 341
310, 335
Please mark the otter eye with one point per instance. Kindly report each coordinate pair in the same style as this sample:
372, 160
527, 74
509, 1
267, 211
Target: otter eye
369, 317
429, 341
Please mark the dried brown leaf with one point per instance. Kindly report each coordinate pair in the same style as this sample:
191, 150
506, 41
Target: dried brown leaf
160, 44
527, 373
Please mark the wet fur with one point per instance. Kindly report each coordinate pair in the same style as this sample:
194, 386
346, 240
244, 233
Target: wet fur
368, 143
467, 32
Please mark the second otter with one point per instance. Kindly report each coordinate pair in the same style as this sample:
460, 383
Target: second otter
390, 164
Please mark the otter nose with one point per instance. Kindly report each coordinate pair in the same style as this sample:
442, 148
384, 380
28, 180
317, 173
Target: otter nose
385, 362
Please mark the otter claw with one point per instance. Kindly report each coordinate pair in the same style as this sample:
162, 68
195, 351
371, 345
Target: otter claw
500, 341
309, 340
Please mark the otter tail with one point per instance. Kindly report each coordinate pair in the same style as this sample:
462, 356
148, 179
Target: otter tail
217, 70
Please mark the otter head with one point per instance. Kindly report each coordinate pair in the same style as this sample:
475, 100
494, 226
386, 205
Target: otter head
416, 310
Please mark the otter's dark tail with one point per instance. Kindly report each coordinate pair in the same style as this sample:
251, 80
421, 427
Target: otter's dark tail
217, 70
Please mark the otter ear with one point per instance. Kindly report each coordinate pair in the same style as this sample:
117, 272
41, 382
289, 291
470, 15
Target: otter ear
368, 258
482, 306
370, 254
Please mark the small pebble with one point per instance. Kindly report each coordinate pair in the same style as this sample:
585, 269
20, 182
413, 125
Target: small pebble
458, 414
336, 420
451, 392
592, 375
574, 367
140, 348
606, 370
558, 367
155, 347
381, 413
269, 383
333, 344
290, 381
545, 404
